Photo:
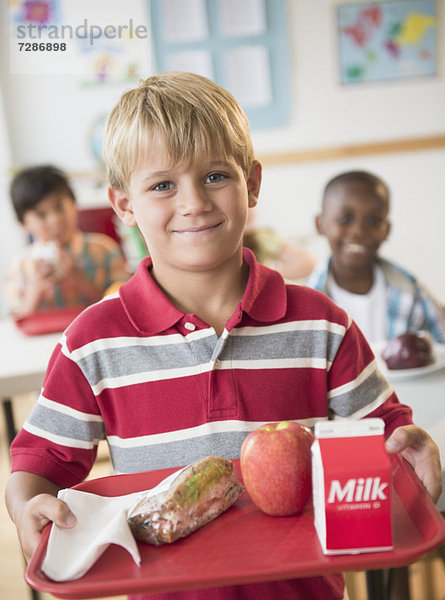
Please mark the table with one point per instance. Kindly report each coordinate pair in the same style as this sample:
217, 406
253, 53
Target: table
22, 369
23, 366
425, 394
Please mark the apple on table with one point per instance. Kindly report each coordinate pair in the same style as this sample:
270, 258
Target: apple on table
410, 350
275, 465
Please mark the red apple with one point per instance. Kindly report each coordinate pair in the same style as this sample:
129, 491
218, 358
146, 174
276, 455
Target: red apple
411, 350
276, 467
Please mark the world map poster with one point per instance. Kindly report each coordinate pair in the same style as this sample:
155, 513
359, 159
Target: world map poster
387, 40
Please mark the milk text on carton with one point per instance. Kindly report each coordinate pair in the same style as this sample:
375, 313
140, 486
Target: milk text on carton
358, 490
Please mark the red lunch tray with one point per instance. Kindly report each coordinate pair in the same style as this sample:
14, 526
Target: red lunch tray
241, 546
49, 321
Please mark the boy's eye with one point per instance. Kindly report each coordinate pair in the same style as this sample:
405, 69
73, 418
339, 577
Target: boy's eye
373, 221
164, 186
345, 219
215, 178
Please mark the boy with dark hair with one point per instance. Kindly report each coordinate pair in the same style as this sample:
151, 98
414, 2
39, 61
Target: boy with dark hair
203, 344
62, 266
383, 299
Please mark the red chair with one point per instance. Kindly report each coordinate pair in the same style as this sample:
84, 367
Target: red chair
99, 220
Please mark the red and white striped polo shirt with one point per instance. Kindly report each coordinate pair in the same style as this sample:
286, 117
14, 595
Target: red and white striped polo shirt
166, 390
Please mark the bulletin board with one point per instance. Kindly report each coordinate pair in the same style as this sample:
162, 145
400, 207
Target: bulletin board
240, 44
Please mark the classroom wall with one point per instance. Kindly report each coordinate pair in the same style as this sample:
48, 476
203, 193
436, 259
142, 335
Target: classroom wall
49, 119
327, 115
12, 239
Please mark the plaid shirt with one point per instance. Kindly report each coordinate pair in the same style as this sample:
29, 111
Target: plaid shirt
99, 256
409, 306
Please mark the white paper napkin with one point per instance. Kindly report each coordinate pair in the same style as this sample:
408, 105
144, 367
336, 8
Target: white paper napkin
101, 521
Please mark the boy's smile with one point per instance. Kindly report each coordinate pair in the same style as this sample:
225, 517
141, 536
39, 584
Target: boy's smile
353, 248
198, 232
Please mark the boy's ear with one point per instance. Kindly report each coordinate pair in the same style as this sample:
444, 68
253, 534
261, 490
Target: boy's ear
254, 183
122, 206
319, 224
26, 227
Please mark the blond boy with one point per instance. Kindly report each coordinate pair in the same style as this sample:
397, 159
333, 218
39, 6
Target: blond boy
203, 344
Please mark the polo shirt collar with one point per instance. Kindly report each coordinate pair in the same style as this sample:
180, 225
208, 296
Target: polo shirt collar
150, 311
145, 304
265, 297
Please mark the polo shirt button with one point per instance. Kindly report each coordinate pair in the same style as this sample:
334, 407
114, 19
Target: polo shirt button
217, 364
190, 326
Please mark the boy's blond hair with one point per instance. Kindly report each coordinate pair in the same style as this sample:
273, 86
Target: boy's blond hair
193, 116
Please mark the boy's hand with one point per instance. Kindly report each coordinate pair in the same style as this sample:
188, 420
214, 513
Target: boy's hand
42, 269
39, 287
36, 513
418, 448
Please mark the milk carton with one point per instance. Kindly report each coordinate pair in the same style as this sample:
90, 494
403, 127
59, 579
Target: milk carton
351, 477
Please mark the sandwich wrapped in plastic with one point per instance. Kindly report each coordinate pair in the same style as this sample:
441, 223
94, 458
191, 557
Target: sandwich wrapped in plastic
199, 494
